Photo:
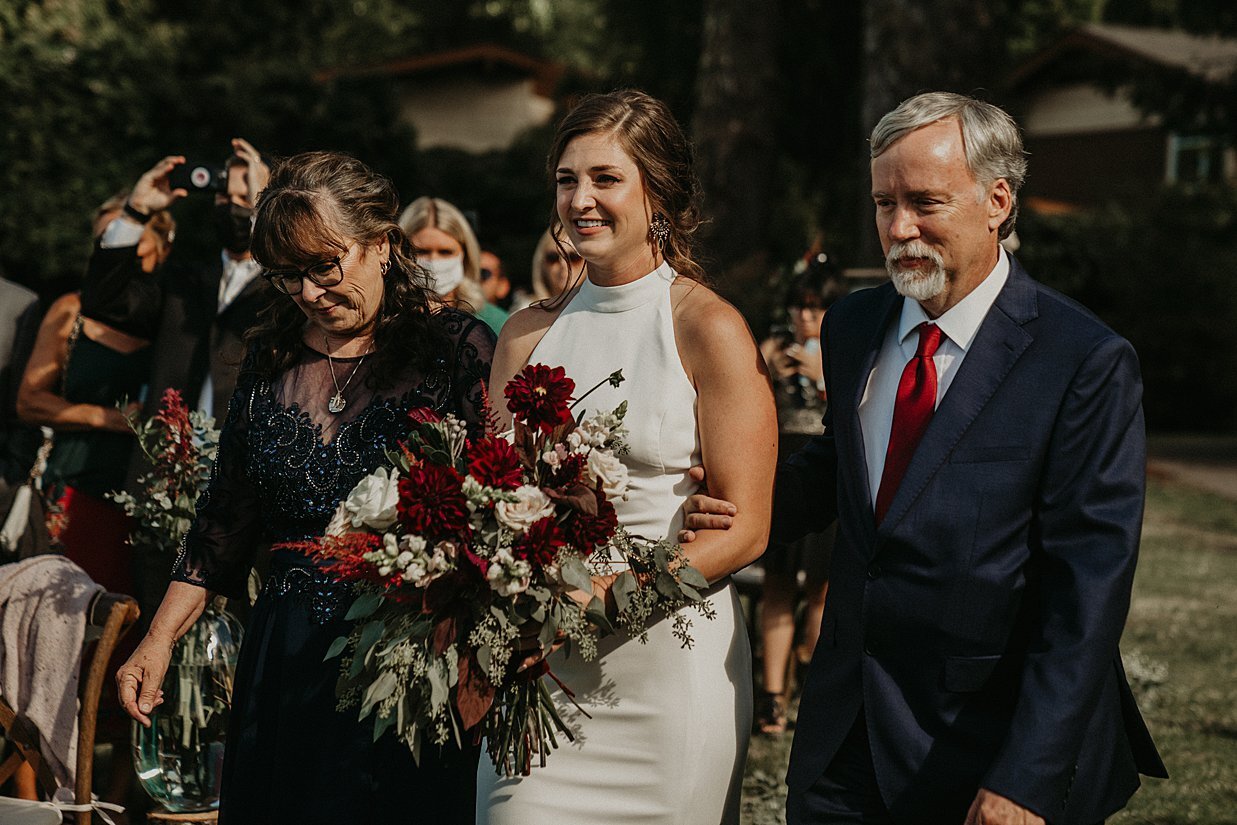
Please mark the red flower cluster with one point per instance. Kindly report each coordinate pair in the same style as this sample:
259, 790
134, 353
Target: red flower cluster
540, 544
493, 462
432, 503
585, 531
539, 396
178, 447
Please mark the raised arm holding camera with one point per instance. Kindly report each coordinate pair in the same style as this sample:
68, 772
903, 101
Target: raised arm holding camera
204, 307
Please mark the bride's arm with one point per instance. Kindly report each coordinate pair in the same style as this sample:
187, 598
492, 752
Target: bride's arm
737, 420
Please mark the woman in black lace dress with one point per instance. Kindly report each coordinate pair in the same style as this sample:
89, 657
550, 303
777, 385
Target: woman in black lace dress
328, 382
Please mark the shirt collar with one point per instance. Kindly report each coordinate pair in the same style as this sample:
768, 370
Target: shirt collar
961, 322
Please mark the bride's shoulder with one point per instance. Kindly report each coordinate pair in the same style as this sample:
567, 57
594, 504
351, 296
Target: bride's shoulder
700, 313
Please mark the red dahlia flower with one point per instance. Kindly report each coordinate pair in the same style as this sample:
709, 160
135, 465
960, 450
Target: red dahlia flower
431, 503
585, 532
493, 462
539, 396
540, 543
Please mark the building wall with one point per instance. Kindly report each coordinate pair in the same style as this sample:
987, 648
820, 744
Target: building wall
1087, 168
473, 114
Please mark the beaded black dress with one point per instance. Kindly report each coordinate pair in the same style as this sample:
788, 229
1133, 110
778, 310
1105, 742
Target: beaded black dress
285, 462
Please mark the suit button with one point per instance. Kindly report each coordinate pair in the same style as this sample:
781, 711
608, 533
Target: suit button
875, 571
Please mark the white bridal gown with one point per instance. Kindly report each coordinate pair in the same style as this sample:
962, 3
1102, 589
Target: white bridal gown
667, 739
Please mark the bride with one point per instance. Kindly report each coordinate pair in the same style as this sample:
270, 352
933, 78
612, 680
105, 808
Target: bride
665, 735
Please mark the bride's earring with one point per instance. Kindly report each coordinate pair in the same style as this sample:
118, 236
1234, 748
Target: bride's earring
659, 231
384, 267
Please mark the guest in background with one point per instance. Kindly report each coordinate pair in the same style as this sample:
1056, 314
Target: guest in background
494, 281
80, 370
447, 248
555, 266
19, 322
802, 566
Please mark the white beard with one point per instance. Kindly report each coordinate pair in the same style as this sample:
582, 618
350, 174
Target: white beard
916, 284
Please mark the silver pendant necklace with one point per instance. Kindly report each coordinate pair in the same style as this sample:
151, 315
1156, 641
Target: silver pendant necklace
337, 402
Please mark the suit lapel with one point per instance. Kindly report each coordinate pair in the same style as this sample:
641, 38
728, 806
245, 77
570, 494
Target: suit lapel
998, 345
855, 463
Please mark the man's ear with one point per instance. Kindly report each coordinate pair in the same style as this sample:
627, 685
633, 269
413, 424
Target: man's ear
1000, 203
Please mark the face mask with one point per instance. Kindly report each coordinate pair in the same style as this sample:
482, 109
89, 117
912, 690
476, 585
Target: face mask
233, 226
445, 273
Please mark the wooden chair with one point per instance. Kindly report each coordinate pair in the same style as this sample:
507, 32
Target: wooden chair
108, 618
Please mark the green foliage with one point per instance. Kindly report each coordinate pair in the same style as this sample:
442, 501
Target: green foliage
1160, 274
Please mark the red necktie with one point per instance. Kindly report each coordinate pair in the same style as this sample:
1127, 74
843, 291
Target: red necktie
911, 414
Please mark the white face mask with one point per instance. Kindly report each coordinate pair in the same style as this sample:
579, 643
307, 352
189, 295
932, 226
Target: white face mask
445, 273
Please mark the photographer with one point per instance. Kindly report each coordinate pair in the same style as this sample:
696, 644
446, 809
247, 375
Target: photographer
205, 306
793, 356
201, 308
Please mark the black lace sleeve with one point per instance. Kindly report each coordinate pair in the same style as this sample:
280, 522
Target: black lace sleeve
219, 549
473, 345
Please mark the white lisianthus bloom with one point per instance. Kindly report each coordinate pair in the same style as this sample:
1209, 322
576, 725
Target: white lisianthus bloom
372, 502
341, 522
530, 506
607, 473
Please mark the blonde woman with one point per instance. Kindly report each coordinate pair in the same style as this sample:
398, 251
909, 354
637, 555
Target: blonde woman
447, 248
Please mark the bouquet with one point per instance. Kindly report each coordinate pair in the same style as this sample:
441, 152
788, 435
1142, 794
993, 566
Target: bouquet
468, 552
180, 446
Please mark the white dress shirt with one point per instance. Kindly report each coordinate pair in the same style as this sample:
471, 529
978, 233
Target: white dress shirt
958, 325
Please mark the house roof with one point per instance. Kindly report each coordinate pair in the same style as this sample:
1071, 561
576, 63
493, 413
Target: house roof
1209, 57
545, 73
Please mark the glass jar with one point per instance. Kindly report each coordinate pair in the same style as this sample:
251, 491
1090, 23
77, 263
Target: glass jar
179, 758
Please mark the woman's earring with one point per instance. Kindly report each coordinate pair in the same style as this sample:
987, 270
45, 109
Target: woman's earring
385, 267
659, 230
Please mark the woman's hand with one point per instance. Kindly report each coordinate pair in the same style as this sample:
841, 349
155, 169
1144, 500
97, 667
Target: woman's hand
806, 361
139, 681
153, 192
258, 173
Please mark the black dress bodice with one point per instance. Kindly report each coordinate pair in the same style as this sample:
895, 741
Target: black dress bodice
285, 460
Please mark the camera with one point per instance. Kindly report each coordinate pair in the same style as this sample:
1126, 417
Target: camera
194, 176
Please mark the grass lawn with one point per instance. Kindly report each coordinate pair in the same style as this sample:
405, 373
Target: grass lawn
1180, 651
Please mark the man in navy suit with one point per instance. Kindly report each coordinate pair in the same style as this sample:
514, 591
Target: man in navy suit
984, 454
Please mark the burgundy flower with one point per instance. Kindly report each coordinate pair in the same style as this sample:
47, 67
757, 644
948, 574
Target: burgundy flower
585, 532
539, 396
540, 543
431, 502
569, 471
494, 463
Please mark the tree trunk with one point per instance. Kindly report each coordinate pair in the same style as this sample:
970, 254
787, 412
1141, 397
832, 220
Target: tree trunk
737, 145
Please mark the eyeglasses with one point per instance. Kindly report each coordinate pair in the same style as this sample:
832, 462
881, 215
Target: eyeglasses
289, 280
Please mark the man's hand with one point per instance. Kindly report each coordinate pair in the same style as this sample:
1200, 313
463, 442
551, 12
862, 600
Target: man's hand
993, 809
701, 512
259, 173
152, 192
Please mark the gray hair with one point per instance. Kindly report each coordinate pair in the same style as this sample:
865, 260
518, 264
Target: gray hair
990, 138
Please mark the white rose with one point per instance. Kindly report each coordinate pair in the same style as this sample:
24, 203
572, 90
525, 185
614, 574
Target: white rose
530, 506
372, 501
608, 473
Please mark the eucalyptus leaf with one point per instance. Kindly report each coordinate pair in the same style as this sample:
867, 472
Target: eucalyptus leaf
370, 634
596, 613
576, 574
483, 658
381, 724
624, 588
690, 575
364, 606
336, 648
439, 689
667, 586
382, 687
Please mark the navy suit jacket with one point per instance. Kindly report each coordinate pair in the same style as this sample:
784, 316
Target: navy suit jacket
977, 627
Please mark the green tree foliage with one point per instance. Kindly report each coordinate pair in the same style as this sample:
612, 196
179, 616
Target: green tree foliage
1159, 273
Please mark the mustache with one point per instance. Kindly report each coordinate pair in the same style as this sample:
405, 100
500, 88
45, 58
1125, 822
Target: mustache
911, 249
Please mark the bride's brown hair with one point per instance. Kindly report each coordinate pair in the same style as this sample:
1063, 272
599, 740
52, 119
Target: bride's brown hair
649, 134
